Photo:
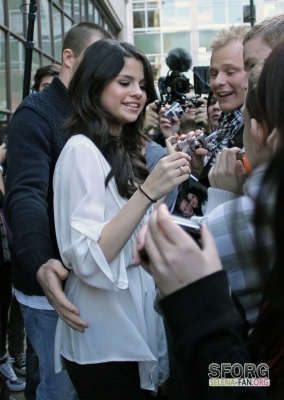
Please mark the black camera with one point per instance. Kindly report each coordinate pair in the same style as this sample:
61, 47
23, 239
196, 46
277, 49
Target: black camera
175, 86
175, 110
196, 102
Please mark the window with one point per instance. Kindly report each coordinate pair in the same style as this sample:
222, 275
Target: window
2, 20
57, 32
178, 39
53, 19
153, 19
148, 43
139, 19
45, 27
172, 17
205, 38
16, 20
17, 57
67, 6
235, 14
205, 15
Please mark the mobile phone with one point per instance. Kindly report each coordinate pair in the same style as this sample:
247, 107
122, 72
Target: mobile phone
243, 158
192, 228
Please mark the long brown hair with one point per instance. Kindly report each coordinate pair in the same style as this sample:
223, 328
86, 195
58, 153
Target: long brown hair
101, 63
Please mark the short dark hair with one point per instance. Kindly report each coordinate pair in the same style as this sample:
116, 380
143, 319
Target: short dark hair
251, 101
79, 35
46, 70
101, 63
271, 30
271, 89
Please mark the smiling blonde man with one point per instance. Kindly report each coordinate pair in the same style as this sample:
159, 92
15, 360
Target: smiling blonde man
226, 76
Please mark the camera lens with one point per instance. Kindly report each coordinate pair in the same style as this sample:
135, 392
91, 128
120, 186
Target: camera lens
196, 144
180, 86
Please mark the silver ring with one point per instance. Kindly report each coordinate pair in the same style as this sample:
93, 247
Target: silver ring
181, 170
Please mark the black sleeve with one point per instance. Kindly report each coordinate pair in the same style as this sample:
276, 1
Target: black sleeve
28, 183
206, 328
1, 198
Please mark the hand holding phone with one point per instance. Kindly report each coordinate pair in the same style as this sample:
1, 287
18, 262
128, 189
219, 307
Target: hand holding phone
176, 261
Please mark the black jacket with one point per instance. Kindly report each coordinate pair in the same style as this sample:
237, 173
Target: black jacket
35, 139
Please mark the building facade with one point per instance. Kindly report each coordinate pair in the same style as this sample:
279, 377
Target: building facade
53, 20
155, 26
161, 25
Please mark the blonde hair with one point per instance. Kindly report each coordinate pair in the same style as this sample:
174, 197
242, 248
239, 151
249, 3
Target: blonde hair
271, 30
226, 36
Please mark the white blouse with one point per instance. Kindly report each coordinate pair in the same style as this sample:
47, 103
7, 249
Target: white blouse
115, 300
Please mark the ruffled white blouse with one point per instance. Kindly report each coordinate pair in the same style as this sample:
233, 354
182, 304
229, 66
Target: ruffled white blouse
116, 300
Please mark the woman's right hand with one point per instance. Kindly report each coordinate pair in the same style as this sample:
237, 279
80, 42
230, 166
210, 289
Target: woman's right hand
169, 173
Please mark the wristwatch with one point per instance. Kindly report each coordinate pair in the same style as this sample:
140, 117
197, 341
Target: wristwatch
1, 168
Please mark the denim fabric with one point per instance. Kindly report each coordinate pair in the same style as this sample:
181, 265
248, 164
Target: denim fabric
40, 328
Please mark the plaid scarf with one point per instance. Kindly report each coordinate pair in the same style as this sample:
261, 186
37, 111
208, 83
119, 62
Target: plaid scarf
228, 126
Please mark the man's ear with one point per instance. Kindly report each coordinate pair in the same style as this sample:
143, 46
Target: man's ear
273, 139
67, 58
259, 133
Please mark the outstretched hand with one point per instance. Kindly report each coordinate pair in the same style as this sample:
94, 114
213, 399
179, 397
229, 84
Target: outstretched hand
175, 258
151, 118
197, 157
168, 127
50, 275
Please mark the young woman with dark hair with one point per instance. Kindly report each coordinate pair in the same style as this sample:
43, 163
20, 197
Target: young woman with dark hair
103, 194
197, 198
